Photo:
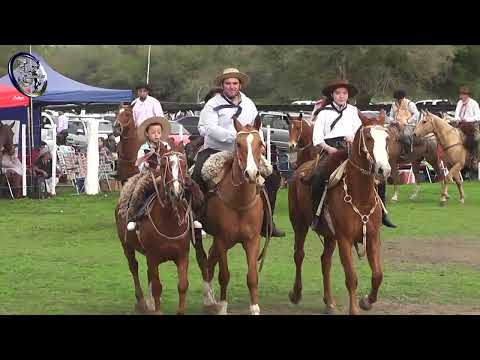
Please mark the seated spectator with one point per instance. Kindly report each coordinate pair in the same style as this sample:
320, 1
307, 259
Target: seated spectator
42, 168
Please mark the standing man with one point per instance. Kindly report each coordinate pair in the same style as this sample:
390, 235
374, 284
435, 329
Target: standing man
217, 126
145, 106
62, 122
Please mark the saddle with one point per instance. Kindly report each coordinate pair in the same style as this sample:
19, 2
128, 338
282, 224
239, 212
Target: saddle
216, 165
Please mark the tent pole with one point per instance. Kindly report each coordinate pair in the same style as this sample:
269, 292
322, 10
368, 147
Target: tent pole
148, 62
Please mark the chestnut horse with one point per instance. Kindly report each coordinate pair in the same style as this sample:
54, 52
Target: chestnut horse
300, 133
452, 140
234, 215
352, 213
128, 145
165, 233
423, 148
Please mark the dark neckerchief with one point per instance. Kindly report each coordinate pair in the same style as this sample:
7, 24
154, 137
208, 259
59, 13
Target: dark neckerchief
229, 106
333, 108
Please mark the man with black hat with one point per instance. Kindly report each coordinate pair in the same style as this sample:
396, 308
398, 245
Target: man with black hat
335, 128
217, 126
405, 113
145, 106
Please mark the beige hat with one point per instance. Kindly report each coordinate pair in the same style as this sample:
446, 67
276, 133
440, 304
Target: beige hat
163, 122
232, 73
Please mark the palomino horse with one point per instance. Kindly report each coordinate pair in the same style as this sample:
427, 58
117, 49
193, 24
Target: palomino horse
352, 213
165, 233
234, 215
128, 146
300, 133
452, 141
424, 148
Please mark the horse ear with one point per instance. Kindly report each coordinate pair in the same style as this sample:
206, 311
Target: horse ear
237, 124
180, 147
258, 122
288, 119
12, 125
382, 117
362, 117
301, 116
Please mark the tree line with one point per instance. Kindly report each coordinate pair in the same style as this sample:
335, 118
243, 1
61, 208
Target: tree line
279, 73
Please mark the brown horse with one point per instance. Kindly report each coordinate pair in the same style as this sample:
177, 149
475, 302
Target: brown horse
424, 148
6, 138
455, 153
234, 215
165, 233
300, 133
352, 213
128, 145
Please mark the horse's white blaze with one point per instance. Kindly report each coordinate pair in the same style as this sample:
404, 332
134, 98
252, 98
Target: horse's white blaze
255, 309
251, 168
176, 184
380, 151
121, 110
208, 296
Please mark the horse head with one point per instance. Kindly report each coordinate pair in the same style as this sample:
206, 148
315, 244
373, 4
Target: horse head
369, 149
299, 133
425, 125
173, 169
123, 120
6, 138
248, 149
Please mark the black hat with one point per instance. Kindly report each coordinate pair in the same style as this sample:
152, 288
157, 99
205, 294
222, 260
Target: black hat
143, 86
399, 94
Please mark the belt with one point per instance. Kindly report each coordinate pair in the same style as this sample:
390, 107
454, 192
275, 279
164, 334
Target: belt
337, 142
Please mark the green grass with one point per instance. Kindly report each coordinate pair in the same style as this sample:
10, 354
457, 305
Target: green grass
62, 256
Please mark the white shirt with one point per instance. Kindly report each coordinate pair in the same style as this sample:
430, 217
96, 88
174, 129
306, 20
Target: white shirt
148, 108
471, 111
346, 126
412, 108
217, 126
62, 123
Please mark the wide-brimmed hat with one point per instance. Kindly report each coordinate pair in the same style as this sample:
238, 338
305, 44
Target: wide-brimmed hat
232, 73
332, 85
163, 122
143, 86
464, 90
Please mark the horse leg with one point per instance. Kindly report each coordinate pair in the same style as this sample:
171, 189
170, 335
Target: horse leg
156, 285
251, 249
141, 305
329, 248
416, 174
223, 279
443, 195
351, 281
209, 302
373, 255
200, 254
300, 233
182, 269
459, 183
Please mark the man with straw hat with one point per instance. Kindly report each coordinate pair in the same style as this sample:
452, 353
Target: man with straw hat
216, 123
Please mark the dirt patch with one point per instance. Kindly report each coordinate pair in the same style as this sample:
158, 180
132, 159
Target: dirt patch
433, 251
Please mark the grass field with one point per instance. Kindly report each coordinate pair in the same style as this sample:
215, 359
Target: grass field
62, 256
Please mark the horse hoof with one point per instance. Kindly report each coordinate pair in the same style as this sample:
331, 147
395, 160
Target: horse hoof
443, 203
394, 199
213, 309
462, 201
141, 307
329, 310
364, 303
294, 297
180, 313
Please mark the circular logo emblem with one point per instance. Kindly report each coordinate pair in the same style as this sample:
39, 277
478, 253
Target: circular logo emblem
27, 74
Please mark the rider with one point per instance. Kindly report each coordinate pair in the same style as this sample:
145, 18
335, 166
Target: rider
335, 128
145, 106
150, 134
216, 124
404, 112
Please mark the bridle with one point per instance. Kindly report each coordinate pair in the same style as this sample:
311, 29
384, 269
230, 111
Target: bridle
299, 137
362, 148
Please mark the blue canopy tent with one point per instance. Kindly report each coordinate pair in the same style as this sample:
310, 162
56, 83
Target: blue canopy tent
62, 90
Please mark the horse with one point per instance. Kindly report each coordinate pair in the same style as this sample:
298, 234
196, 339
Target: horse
128, 146
451, 139
165, 233
300, 133
352, 213
6, 138
424, 148
234, 214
